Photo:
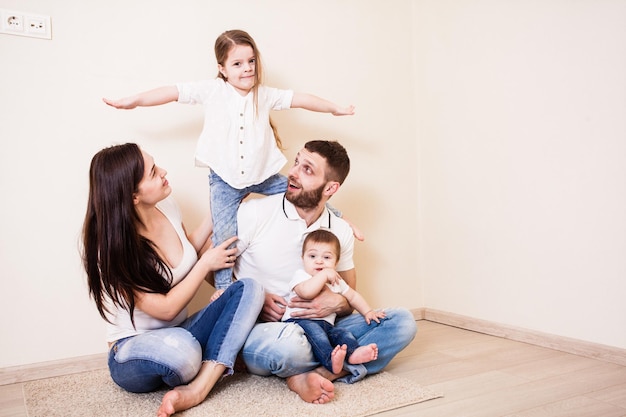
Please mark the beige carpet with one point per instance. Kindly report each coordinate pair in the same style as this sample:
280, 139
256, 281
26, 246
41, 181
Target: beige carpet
94, 394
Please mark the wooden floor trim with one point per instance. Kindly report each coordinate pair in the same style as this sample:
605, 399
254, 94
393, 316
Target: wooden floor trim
25, 373
560, 343
18, 374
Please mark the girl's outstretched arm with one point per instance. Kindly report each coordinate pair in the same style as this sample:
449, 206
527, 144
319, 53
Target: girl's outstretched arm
153, 97
314, 103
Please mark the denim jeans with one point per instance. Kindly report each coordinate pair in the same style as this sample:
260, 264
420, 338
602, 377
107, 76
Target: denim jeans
281, 348
174, 355
323, 337
225, 201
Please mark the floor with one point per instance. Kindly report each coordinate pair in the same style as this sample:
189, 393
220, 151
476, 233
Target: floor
482, 376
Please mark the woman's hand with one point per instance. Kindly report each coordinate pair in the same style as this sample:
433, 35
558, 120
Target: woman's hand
220, 257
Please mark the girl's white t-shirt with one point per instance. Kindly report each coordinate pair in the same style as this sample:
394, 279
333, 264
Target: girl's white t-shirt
237, 142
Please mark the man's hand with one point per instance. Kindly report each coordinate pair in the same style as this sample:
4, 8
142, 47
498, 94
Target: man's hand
324, 304
273, 308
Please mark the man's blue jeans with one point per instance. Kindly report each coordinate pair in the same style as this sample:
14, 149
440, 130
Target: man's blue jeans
174, 355
282, 349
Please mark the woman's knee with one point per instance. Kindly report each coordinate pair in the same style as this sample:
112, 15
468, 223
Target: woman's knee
169, 355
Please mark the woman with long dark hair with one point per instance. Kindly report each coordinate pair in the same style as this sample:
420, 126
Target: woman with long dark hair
143, 269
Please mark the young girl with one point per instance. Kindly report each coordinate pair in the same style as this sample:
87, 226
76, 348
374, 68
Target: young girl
238, 141
143, 269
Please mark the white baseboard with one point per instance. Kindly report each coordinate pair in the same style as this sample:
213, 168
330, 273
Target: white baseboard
17, 374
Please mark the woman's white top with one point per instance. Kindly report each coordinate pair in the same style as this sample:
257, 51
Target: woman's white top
121, 325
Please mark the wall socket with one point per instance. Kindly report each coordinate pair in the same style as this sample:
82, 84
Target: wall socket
25, 24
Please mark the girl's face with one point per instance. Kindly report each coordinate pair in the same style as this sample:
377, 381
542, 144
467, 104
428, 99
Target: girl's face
239, 68
153, 187
318, 256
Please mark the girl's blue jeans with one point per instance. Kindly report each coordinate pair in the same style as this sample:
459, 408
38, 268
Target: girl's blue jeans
174, 355
225, 202
281, 348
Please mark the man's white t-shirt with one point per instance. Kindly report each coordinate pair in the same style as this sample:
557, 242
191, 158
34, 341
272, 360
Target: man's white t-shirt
271, 234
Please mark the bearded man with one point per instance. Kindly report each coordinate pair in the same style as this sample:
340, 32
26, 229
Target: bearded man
271, 232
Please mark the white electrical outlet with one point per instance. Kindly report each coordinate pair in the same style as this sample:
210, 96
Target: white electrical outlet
25, 24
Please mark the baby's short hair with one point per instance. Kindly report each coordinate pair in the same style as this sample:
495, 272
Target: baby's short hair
323, 236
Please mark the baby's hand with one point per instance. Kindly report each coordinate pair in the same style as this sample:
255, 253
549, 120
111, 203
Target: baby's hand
332, 276
344, 111
374, 315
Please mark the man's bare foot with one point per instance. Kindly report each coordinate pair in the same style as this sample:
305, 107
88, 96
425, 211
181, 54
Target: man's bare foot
178, 399
337, 357
311, 387
364, 354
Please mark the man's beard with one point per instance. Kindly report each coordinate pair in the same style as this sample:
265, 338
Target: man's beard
306, 199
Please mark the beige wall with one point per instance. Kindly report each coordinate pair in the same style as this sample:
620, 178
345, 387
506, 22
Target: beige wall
53, 121
487, 149
522, 156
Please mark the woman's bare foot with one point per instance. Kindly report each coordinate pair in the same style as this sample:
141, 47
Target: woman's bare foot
178, 399
186, 396
364, 354
337, 357
312, 387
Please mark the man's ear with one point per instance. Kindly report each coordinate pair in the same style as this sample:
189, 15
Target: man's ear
331, 188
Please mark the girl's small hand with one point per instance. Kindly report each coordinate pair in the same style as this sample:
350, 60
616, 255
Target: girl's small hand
127, 103
344, 111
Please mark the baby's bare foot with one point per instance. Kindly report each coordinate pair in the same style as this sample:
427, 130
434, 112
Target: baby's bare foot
337, 357
364, 354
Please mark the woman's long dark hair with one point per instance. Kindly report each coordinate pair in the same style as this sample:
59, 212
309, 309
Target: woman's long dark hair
117, 259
